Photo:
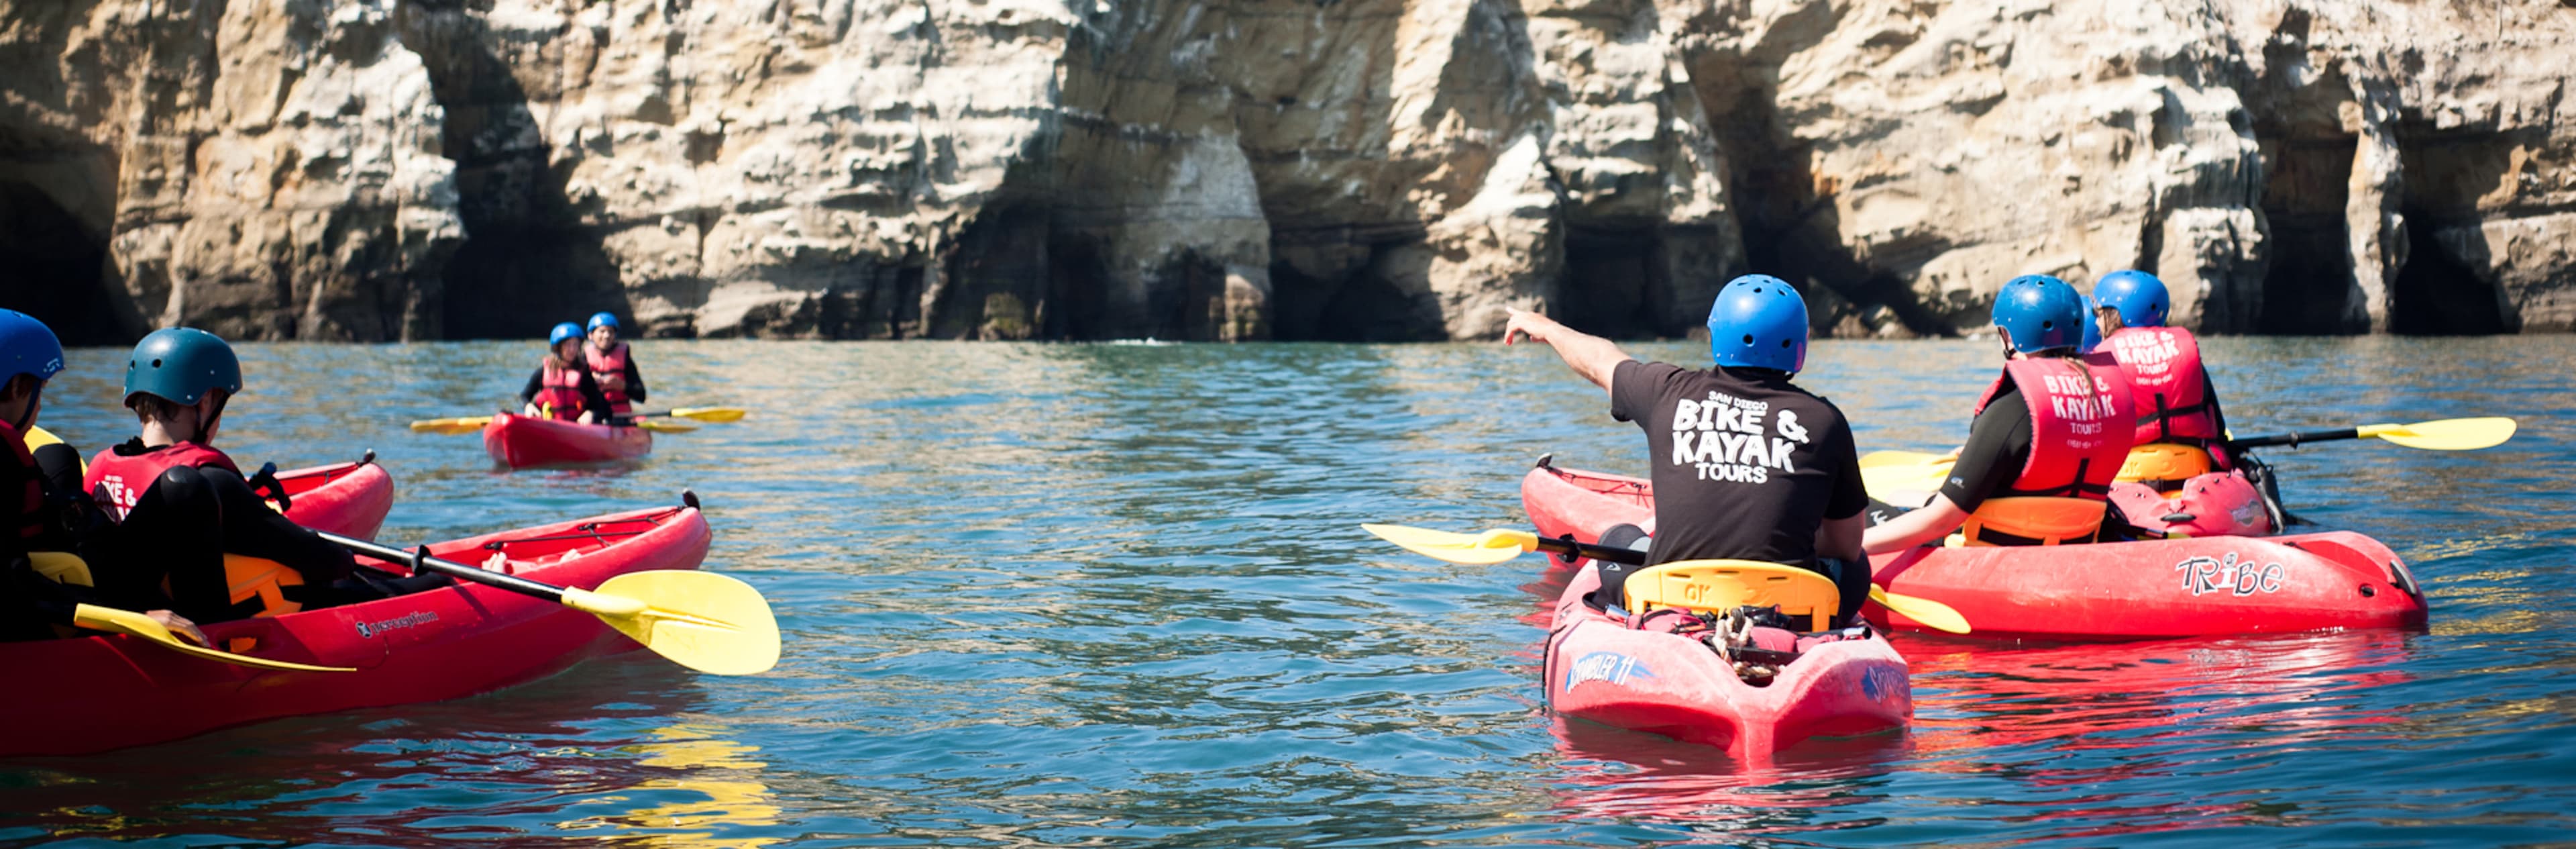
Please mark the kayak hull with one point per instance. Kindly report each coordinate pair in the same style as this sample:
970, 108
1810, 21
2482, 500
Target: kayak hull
521, 442
349, 499
1599, 669
2110, 591
114, 691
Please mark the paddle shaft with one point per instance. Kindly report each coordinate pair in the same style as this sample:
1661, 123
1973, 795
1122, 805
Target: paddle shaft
2294, 439
1628, 556
451, 569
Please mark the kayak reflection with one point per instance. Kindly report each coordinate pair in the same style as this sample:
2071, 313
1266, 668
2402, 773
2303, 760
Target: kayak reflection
1615, 773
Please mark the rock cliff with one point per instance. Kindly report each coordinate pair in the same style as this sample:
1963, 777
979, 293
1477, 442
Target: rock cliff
1249, 169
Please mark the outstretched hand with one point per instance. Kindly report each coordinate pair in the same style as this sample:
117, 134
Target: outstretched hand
1524, 323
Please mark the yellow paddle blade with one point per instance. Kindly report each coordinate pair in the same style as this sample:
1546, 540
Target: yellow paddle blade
659, 426
1902, 477
1494, 546
469, 424
129, 622
1933, 614
709, 414
2445, 435
701, 620
1877, 459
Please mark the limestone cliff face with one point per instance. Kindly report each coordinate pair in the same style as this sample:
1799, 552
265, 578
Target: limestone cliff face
1247, 169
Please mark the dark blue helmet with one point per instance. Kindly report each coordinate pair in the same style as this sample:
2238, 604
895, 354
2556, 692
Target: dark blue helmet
2139, 296
1758, 321
2040, 313
180, 364
27, 346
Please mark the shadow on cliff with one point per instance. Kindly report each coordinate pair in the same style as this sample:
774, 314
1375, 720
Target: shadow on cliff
528, 261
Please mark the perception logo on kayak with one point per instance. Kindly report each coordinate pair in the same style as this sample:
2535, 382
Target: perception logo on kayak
370, 629
1608, 666
2203, 575
1880, 684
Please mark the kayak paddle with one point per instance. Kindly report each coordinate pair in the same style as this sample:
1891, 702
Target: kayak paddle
703, 414
701, 620
1500, 544
474, 424
451, 427
665, 427
2442, 435
135, 624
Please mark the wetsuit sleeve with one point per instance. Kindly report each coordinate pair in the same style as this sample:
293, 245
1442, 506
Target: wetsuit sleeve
1850, 495
1998, 446
536, 381
1636, 386
594, 400
634, 379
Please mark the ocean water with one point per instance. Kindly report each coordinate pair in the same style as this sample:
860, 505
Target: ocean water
1117, 595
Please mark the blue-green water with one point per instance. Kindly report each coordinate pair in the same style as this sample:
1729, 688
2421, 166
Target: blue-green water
1116, 594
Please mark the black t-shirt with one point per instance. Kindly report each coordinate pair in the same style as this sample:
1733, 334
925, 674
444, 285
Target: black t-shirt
1998, 446
1745, 465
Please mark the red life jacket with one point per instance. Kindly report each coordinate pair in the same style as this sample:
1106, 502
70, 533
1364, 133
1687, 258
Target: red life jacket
560, 396
116, 481
2079, 425
2166, 385
26, 519
605, 365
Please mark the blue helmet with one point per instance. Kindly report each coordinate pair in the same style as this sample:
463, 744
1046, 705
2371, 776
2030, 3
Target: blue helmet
2039, 312
1758, 321
2139, 296
27, 346
566, 330
2092, 329
601, 319
180, 364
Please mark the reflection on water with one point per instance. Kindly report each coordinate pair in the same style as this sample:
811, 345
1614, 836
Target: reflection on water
1068, 594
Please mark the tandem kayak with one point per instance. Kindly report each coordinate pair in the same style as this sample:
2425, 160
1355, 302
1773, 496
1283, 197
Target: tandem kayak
1653, 680
2207, 504
105, 692
2102, 591
521, 442
349, 499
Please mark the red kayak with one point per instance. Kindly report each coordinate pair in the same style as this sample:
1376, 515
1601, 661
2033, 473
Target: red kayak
105, 692
2108, 591
1648, 679
521, 442
349, 499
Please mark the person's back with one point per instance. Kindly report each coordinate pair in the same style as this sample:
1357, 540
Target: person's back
1746, 466
2176, 403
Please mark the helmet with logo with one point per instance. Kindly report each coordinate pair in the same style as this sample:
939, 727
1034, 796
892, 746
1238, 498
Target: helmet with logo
566, 330
2040, 313
601, 319
27, 346
2139, 296
1759, 321
180, 363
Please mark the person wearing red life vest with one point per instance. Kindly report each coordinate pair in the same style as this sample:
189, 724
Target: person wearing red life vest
612, 365
177, 504
562, 387
2046, 441
42, 581
2180, 430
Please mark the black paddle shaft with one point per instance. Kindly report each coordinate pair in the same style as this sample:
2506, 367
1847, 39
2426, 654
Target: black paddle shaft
421, 562
1628, 556
2293, 439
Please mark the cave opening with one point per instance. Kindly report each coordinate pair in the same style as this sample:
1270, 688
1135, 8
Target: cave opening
56, 268
1077, 294
2309, 287
1610, 269
2437, 295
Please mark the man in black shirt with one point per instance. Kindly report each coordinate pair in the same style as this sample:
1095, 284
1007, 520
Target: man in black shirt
1746, 466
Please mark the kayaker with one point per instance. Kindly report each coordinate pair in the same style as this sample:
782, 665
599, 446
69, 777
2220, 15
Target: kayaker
36, 601
612, 365
2046, 441
562, 387
1745, 464
178, 504
2180, 429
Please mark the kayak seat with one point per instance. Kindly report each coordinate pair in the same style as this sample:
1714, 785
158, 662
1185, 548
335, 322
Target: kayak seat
2035, 520
1719, 585
2164, 461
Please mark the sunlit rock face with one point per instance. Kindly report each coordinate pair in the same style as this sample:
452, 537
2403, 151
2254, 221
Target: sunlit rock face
1255, 169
